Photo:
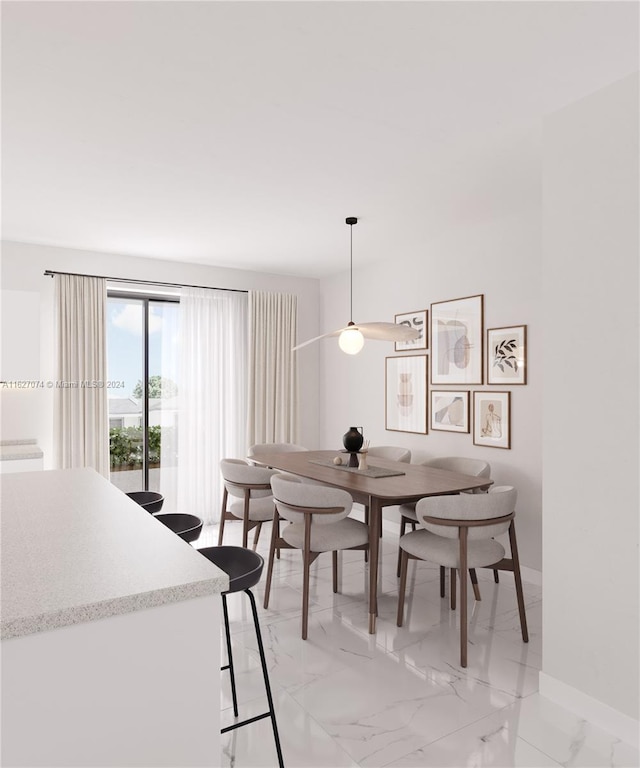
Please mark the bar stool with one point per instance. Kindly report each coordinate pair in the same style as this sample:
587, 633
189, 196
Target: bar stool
244, 568
152, 501
186, 526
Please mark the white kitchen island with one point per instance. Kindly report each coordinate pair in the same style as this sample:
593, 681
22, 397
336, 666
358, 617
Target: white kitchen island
110, 630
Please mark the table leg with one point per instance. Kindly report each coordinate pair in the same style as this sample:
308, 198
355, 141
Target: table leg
375, 517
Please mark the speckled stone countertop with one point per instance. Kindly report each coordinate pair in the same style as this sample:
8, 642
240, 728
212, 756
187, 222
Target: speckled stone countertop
76, 549
11, 450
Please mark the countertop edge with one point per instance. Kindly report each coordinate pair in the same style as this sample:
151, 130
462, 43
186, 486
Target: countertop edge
117, 606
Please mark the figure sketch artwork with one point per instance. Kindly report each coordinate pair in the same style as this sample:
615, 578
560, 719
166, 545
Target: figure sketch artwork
507, 355
450, 411
492, 419
456, 341
406, 394
418, 321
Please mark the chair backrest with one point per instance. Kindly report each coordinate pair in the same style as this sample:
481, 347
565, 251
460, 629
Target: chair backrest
289, 491
461, 464
261, 448
499, 502
238, 474
392, 452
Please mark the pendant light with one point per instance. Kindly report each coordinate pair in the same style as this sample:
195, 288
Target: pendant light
352, 336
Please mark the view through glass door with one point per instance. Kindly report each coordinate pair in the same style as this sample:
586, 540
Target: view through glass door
142, 351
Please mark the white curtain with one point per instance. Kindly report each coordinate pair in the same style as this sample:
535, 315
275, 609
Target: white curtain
212, 394
273, 382
80, 399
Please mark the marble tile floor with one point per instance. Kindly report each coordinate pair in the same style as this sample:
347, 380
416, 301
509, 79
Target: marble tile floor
398, 698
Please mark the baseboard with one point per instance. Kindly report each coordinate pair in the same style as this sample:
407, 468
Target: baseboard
596, 712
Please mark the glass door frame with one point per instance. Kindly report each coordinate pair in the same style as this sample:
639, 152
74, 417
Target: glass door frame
145, 299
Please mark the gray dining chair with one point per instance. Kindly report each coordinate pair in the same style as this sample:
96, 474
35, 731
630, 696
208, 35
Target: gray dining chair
250, 487
464, 465
318, 521
458, 532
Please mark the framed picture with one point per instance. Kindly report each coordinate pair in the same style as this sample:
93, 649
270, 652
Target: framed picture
492, 419
507, 355
456, 341
450, 410
406, 394
418, 321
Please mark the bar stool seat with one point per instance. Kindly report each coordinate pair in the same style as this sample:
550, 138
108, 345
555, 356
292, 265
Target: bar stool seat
244, 569
152, 501
186, 526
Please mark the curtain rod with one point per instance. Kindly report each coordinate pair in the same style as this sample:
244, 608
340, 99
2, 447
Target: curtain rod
52, 272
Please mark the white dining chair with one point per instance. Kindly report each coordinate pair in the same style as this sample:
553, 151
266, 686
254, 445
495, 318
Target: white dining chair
250, 486
317, 521
458, 532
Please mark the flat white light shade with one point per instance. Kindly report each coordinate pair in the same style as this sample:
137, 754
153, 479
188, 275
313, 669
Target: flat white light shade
351, 341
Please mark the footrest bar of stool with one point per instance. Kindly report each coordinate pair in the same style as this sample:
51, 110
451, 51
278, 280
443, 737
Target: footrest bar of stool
245, 722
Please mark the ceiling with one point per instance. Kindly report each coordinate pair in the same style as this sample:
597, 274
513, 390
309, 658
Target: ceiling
243, 133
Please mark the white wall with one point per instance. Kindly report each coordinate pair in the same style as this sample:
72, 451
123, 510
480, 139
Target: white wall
29, 413
498, 257
591, 408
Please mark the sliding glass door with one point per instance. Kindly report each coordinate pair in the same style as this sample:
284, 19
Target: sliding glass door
142, 351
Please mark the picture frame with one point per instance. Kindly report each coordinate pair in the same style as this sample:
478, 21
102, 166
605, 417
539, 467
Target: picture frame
419, 321
492, 419
406, 384
507, 355
457, 336
450, 410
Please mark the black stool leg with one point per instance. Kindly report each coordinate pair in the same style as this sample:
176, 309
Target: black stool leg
229, 666
265, 673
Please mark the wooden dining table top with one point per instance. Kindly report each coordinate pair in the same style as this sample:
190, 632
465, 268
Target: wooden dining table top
416, 482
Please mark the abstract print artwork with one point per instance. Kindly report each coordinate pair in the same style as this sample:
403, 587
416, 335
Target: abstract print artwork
507, 355
406, 394
456, 341
492, 419
418, 321
450, 411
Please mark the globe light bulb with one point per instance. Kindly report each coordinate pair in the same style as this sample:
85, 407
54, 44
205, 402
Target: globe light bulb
351, 341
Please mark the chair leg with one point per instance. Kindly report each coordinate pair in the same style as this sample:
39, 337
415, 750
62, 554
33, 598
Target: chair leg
404, 560
223, 514
265, 673
463, 596
452, 588
474, 583
256, 535
275, 530
496, 576
335, 571
245, 519
518, 579
403, 528
443, 573
229, 666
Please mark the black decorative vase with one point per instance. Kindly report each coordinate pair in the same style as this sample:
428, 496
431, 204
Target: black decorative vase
353, 439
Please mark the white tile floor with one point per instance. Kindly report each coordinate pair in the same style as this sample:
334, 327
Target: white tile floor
398, 698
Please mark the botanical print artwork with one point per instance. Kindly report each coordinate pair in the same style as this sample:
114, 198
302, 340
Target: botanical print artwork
416, 321
491, 419
406, 394
456, 341
450, 411
506, 359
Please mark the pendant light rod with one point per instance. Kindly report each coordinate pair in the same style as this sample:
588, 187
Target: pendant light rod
351, 220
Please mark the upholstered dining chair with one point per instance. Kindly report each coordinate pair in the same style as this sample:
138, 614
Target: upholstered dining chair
475, 467
261, 448
457, 532
251, 488
317, 521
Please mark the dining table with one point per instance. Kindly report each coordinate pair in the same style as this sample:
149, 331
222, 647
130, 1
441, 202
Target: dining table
384, 483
